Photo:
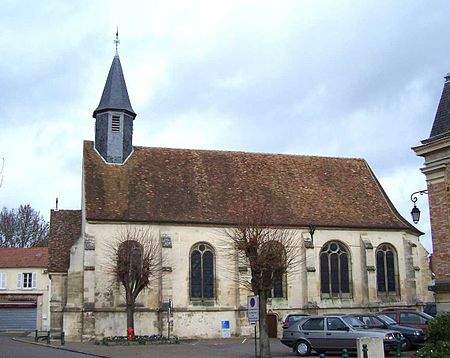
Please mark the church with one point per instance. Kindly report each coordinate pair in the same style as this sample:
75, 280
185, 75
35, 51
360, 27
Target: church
357, 253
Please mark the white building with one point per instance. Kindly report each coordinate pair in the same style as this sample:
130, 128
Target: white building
24, 287
363, 255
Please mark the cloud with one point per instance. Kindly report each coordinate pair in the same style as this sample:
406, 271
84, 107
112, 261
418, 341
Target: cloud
354, 79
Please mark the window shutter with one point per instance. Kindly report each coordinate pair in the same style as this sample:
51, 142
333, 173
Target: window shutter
2, 280
19, 280
34, 280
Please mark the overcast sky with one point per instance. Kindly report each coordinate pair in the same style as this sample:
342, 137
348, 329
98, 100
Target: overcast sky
333, 78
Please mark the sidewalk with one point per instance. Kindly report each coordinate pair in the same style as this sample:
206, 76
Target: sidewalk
202, 348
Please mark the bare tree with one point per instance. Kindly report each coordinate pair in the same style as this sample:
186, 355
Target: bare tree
135, 262
270, 252
23, 227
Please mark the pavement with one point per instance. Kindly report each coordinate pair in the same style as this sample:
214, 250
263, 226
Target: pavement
237, 347
202, 348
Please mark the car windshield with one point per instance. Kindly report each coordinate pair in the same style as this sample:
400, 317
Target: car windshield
426, 315
386, 319
295, 318
354, 322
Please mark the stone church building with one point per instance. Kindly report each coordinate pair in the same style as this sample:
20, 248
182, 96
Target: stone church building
362, 255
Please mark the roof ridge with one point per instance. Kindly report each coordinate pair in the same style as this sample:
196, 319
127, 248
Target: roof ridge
141, 147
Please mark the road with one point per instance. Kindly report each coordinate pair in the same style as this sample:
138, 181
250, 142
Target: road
12, 349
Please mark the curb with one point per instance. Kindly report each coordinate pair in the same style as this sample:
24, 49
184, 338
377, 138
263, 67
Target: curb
57, 347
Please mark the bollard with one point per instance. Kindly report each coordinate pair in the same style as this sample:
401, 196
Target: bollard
48, 337
63, 338
364, 349
322, 355
398, 350
36, 333
344, 353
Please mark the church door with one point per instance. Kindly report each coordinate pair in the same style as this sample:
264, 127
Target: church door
272, 323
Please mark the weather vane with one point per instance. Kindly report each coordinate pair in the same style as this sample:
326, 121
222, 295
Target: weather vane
116, 41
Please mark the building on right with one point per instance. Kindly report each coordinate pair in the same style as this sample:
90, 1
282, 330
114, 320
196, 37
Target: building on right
436, 152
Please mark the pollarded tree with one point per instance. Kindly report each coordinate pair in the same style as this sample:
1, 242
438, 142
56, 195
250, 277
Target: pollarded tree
269, 251
135, 263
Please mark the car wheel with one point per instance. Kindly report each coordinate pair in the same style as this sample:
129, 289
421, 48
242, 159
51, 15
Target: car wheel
407, 346
302, 349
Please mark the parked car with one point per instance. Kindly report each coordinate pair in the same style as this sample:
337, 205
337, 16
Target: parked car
333, 333
413, 336
292, 318
409, 317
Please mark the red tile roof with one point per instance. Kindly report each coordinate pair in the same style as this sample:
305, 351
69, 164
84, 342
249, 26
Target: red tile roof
207, 187
29, 257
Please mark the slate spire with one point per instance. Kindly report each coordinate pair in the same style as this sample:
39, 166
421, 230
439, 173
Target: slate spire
114, 117
115, 94
441, 124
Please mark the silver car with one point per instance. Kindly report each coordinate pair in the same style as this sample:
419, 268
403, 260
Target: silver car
333, 333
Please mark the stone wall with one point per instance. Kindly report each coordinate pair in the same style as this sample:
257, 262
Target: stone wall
195, 319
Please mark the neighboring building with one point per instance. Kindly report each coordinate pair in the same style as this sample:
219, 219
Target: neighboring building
436, 152
363, 255
24, 287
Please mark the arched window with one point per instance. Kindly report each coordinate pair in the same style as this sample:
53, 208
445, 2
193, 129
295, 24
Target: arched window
274, 258
335, 270
131, 266
202, 272
387, 272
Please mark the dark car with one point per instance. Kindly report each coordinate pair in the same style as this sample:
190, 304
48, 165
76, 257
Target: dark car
333, 333
413, 336
292, 318
430, 308
409, 317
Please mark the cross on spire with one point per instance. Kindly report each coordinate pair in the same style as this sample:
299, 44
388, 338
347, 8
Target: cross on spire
117, 41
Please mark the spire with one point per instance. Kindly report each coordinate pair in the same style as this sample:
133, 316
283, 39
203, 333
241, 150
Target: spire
115, 94
114, 117
441, 124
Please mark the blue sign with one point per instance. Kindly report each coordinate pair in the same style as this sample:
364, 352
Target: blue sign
226, 329
253, 308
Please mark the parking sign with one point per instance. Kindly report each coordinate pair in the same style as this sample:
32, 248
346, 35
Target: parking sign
253, 308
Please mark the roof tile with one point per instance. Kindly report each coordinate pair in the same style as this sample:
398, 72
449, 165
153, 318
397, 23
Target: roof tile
207, 187
23, 257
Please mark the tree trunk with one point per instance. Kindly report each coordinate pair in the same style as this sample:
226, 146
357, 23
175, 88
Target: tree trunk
264, 342
130, 317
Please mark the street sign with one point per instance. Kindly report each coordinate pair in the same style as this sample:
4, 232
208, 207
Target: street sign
253, 308
226, 329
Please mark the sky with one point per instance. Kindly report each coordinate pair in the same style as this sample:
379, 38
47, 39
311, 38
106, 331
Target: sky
358, 79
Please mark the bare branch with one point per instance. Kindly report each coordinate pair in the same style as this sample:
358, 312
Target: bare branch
134, 260
269, 251
23, 227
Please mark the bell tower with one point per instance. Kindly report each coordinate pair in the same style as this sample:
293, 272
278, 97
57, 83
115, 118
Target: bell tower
114, 117
436, 152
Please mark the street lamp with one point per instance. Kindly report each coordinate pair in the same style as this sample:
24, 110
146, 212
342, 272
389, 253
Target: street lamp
415, 212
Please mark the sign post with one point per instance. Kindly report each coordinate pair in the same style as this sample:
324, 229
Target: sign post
253, 314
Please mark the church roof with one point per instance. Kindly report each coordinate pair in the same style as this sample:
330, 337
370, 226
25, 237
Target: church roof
65, 229
115, 94
207, 187
23, 257
441, 124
